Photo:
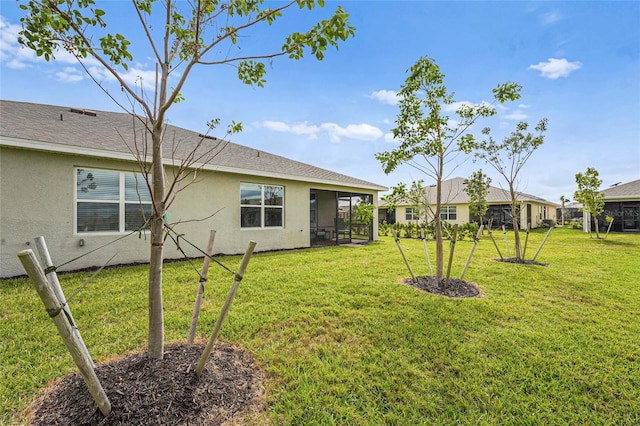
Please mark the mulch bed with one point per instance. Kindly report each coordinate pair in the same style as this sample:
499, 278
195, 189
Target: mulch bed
456, 288
144, 391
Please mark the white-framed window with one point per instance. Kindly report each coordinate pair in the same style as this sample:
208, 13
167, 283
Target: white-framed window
411, 214
448, 213
110, 201
261, 206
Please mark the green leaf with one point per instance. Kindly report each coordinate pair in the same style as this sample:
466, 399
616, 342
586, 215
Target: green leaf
252, 72
508, 91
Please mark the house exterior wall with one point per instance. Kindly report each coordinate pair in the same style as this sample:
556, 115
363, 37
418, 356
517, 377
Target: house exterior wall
462, 214
539, 213
401, 215
37, 193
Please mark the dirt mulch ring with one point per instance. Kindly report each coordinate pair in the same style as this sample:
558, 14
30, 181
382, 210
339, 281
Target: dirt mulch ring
457, 288
521, 261
144, 391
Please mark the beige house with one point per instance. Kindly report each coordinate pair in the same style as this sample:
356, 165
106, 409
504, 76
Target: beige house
455, 207
69, 175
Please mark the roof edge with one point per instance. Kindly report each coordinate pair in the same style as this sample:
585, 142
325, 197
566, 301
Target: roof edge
115, 155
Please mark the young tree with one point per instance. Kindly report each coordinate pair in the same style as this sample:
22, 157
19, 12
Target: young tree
508, 158
415, 197
179, 36
477, 188
429, 139
589, 195
563, 210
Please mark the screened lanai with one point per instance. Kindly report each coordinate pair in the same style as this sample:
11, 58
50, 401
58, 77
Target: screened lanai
340, 217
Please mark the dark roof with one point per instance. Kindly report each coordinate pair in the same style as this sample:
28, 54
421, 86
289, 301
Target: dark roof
623, 191
111, 134
453, 193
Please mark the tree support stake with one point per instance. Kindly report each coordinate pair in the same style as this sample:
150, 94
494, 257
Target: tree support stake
203, 279
406, 261
225, 309
51, 304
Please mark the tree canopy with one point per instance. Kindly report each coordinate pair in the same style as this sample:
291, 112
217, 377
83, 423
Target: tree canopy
588, 194
508, 158
429, 139
179, 36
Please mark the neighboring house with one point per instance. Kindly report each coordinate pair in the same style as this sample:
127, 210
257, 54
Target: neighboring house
68, 175
622, 202
572, 210
455, 207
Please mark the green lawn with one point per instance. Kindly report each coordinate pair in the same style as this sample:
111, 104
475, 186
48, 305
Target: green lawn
342, 342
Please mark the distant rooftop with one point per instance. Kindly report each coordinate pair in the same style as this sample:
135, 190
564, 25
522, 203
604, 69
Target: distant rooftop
623, 191
453, 193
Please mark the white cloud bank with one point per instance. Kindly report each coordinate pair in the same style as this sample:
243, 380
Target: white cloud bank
335, 132
388, 97
65, 68
363, 132
556, 68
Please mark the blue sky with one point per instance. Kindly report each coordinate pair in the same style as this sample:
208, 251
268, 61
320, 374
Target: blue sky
578, 63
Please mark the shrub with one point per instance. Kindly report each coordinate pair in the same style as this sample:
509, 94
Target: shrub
384, 229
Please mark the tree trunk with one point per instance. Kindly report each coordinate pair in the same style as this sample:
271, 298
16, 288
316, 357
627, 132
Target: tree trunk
514, 214
438, 221
156, 315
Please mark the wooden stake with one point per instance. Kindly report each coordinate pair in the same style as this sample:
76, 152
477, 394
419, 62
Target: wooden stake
526, 240
426, 252
506, 240
52, 277
60, 319
542, 243
225, 309
608, 229
494, 241
475, 243
452, 246
406, 261
203, 279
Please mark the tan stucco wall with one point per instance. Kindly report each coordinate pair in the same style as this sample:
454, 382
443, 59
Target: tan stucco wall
37, 199
539, 213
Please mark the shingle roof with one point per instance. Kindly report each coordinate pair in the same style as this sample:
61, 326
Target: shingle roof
112, 133
625, 190
453, 193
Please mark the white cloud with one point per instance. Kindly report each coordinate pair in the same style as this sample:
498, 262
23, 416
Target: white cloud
305, 129
556, 68
456, 105
276, 126
298, 129
11, 53
516, 115
388, 137
16, 56
550, 17
388, 97
365, 132
335, 132
69, 75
